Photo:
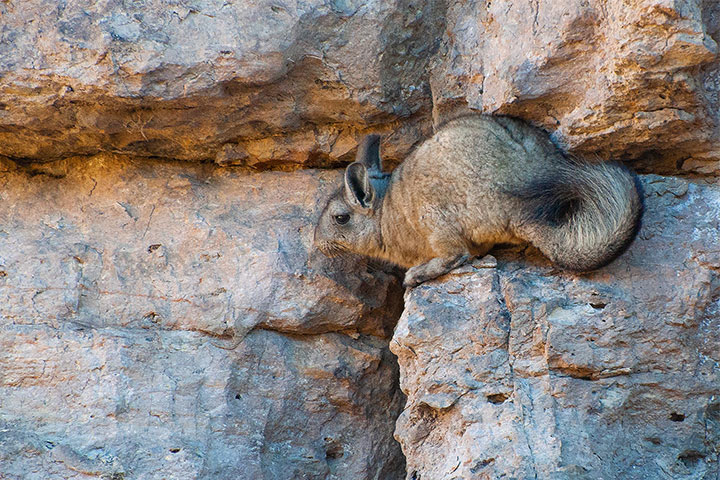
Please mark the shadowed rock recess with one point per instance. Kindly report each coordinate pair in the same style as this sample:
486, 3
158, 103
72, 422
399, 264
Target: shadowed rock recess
275, 83
162, 311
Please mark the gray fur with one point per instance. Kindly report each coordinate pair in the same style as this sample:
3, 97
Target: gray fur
477, 182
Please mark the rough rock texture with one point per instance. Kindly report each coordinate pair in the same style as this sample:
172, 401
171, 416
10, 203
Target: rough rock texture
124, 287
259, 83
123, 271
614, 78
515, 370
283, 83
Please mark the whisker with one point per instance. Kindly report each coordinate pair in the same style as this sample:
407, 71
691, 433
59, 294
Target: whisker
332, 249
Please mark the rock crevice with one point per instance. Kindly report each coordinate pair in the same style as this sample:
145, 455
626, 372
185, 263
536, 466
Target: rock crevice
295, 85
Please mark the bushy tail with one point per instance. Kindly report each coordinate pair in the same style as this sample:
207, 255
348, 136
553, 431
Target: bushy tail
584, 215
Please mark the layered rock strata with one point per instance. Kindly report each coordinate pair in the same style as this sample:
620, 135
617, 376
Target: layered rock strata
276, 84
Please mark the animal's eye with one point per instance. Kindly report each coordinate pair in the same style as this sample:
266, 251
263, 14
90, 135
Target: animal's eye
342, 219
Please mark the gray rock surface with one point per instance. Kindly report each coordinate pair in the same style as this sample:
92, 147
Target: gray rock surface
259, 83
282, 83
161, 320
515, 370
608, 77
168, 319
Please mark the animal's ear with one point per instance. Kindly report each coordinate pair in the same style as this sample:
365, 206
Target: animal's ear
369, 153
358, 190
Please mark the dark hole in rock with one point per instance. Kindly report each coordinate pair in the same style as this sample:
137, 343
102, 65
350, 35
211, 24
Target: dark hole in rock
334, 450
654, 440
481, 464
598, 305
677, 417
690, 458
174, 450
153, 247
426, 413
415, 476
497, 398
237, 396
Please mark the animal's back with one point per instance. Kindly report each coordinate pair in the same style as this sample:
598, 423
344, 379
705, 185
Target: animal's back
483, 180
493, 152
465, 175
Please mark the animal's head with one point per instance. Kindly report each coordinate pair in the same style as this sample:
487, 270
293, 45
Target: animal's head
351, 220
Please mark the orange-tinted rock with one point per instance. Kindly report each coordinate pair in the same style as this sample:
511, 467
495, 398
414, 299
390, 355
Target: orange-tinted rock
168, 320
280, 85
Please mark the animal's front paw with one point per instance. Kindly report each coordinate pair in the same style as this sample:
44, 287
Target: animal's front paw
414, 277
433, 269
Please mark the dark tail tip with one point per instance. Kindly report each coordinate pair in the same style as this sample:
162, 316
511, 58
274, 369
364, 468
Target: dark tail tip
551, 201
580, 232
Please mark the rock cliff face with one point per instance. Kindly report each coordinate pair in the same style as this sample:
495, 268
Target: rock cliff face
162, 320
164, 315
269, 83
514, 370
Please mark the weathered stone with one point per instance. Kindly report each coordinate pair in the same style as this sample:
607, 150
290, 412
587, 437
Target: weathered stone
162, 320
107, 242
178, 80
121, 277
522, 371
610, 78
281, 84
